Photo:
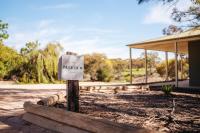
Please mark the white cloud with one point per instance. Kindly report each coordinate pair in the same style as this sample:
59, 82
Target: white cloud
94, 45
59, 6
45, 23
48, 31
97, 30
160, 14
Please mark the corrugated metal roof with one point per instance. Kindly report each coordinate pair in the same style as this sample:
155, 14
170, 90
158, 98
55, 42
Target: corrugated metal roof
187, 34
165, 43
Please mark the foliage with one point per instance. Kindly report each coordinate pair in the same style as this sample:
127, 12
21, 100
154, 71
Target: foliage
138, 63
9, 60
167, 89
98, 67
152, 60
39, 66
188, 18
161, 68
105, 71
119, 66
3, 31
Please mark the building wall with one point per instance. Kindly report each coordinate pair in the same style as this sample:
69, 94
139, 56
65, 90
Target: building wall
194, 63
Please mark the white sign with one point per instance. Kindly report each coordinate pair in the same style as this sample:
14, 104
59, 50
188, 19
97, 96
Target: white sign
70, 67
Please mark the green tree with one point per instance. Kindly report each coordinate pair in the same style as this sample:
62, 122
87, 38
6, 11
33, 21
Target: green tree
9, 60
161, 68
105, 71
152, 60
40, 66
3, 31
98, 67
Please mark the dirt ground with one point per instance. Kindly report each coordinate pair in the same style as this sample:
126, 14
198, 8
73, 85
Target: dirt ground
149, 109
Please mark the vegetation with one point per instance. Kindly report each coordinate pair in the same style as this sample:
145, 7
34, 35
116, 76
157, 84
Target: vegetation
99, 68
152, 60
35, 65
10, 60
31, 65
185, 18
167, 89
39, 65
3, 31
182, 66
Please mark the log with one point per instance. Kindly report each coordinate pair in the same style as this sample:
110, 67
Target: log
81, 121
52, 100
50, 124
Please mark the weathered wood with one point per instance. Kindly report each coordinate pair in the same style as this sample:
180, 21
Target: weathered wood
51, 124
81, 121
52, 100
146, 66
72, 92
73, 96
167, 66
131, 66
176, 63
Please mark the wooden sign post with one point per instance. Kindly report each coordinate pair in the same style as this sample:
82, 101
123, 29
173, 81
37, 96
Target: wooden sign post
73, 95
71, 68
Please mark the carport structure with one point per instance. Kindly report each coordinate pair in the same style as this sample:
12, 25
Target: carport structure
187, 42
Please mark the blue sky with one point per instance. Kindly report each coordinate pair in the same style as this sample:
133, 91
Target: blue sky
85, 26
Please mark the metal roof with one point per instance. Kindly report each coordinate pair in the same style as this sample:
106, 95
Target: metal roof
166, 43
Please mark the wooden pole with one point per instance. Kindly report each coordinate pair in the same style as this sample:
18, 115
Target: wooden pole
146, 72
131, 66
181, 63
167, 65
176, 64
72, 92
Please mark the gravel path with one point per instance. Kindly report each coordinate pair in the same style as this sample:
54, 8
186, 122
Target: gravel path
149, 109
11, 108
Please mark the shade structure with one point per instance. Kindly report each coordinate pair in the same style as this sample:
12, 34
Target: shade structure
166, 43
187, 42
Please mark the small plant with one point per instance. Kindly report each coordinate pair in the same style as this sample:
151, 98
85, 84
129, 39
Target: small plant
167, 89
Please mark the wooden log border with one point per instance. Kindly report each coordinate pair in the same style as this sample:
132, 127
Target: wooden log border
60, 120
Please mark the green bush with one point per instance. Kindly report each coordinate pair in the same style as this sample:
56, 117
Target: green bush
167, 89
105, 72
161, 68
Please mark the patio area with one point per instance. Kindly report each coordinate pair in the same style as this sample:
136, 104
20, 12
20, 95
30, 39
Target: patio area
185, 43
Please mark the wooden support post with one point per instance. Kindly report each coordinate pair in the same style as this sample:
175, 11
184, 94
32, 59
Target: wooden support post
72, 92
146, 72
181, 63
167, 65
176, 64
131, 66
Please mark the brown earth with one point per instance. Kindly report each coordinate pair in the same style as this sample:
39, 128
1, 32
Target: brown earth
149, 109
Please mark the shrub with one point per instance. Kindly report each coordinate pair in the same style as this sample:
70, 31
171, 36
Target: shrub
161, 68
167, 89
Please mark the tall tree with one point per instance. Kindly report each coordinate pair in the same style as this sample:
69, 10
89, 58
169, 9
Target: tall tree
3, 31
98, 67
9, 60
40, 65
152, 60
188, 18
